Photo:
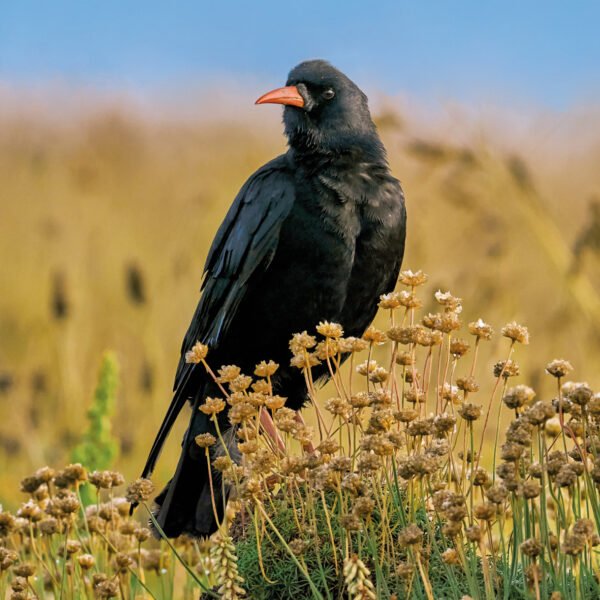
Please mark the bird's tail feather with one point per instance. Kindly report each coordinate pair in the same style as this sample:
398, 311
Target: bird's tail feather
193, 502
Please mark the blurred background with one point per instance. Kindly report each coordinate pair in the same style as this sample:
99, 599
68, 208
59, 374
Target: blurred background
126, 129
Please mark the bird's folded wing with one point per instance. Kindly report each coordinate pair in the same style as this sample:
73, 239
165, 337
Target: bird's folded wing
242, 250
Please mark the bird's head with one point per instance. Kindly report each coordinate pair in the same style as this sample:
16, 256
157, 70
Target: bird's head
325, 112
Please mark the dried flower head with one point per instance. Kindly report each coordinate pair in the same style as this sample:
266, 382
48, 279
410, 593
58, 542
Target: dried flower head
197, 354
559, 368
515, 332
413, 279
481, 330
139, 491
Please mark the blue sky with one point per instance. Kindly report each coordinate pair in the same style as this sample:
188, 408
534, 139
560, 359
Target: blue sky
545, 52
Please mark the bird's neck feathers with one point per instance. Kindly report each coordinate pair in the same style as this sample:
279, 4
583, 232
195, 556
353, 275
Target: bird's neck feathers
313, 149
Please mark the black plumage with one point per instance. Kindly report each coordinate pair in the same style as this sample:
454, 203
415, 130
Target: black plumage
316, 234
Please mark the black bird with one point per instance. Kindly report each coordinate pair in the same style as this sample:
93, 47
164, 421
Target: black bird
316, 234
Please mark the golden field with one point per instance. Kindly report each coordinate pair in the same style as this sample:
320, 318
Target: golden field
106, 217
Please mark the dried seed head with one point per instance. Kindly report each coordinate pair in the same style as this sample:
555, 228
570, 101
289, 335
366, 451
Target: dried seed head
531, 547
515, 332
330, 330
448, 301
410, 536
531, 489
518, 396
196, 355
467, 384
139, 491
573, 544
212, 406
374, 335
458, 347
451, 557
469, 411
506, 369
481, 330
559, 368
205, 440
301, 342
578, 393
389, 301
266, 368
413, 279
485, 512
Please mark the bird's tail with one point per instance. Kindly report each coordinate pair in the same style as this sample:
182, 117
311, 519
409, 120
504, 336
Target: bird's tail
193, 502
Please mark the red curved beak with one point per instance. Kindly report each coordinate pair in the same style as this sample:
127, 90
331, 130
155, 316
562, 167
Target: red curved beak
286, 95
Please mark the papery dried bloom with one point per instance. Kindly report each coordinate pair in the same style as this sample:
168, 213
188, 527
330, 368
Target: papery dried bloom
389, 301
559, 368
444, 423
363, 507
48, 526
350, 522
30, 484
86, 561
421, 427
511, 451
196, 355
304, 361
467, 384
227, 373
406, 415
480, 477
139, 491
433, 321
75, 473
414, 396
366, 367
485, 512
458, 347
552, 427
378, 375
497, 493
448, 301
240, 384
361, 400
241, 412
474, 533
24, 570
413, 279
205, 440
450, 322
481, 330
368, 462
451, 557
142, 534
109, 588
374, 335
449, 393
531, 547
7, 523
518, 396
327, 349
30, 511
212, 406
409, 300
579, 393
410, 536
302, 341
327, 329
531, 489
404, 335
356, 578
406, 359
470, 412
515, 332
266, 368
584, 527
573, 544
337, 406
328, 446
506, 369
539, 413
298, 546
566, 476
352, 344
101, 479
275, 402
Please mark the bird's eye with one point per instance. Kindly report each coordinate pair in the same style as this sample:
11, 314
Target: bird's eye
328, 94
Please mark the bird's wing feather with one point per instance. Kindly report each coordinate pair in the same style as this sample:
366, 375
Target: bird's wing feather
242, 249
